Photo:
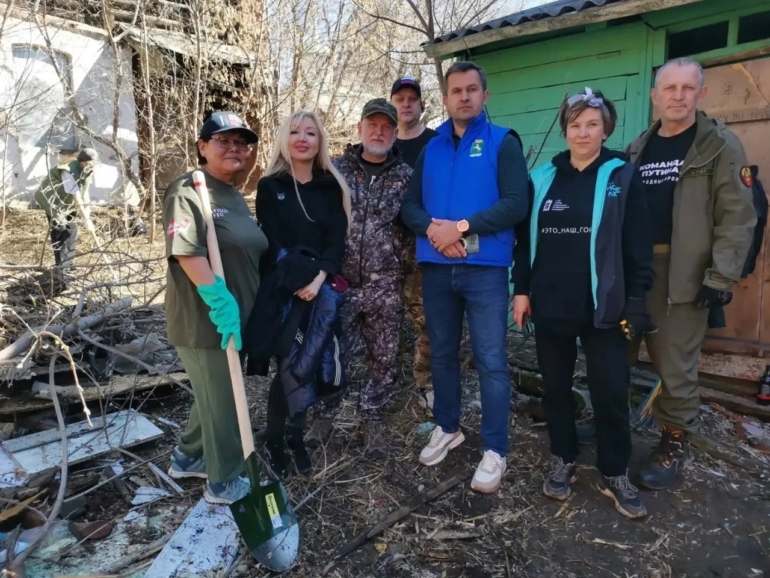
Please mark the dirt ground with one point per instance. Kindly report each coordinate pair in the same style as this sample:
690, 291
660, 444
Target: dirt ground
714, 523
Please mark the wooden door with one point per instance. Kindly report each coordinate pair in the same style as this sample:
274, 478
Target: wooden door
739, 95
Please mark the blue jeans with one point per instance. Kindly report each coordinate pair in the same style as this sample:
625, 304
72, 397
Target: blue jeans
481, 293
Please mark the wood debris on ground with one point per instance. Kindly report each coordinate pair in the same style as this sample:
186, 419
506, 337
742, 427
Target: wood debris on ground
122, 515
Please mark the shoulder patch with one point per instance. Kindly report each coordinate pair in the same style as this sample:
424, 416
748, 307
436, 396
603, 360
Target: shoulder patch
746, 177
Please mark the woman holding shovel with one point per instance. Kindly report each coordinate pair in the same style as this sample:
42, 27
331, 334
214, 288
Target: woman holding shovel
203, 313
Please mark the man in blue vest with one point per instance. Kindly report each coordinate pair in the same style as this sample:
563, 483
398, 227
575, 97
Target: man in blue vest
468, 190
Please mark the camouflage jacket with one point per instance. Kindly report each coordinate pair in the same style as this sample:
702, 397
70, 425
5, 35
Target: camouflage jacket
375, 245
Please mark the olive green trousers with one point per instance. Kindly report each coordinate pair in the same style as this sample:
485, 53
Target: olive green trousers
212, 430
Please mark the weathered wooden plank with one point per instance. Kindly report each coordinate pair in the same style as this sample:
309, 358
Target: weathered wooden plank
572, 20
206, 544
733, 402
119, 384
11, 475
41, 452
735, 116
550, 98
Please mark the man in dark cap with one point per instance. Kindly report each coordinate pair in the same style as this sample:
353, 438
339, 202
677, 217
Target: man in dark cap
63, 193
374, 263
413, 135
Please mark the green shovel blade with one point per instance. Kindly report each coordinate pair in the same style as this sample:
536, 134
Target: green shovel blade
268, 526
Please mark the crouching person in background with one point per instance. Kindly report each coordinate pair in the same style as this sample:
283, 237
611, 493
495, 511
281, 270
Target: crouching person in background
582, 267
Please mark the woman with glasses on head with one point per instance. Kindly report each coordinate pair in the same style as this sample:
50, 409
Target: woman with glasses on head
582, 268
202, 311
303, 205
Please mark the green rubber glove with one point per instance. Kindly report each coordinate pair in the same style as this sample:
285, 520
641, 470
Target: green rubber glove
224, 313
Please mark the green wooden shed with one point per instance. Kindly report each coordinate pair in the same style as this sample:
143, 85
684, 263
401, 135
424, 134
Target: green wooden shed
534, 57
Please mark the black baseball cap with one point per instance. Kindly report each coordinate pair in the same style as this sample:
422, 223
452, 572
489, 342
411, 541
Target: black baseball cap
380, 106
224, 121
406, 82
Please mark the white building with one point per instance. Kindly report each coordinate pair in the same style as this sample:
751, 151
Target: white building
42, 59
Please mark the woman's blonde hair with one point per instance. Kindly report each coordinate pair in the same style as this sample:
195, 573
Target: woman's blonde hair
280, 158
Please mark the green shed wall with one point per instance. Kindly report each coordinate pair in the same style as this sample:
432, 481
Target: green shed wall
528, 82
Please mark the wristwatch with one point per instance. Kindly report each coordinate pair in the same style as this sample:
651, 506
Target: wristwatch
463, 226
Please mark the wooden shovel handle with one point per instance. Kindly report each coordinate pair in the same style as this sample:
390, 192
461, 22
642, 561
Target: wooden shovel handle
233, 360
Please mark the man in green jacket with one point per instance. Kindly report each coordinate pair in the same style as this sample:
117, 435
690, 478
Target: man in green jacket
61, 195
699, 193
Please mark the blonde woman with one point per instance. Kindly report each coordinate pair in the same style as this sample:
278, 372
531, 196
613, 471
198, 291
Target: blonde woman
303, 206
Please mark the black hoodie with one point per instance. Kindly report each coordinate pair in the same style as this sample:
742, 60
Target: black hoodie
286, 225
559, 283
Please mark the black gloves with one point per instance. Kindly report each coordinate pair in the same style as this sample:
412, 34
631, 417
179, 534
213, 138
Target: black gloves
708, 298
636, 320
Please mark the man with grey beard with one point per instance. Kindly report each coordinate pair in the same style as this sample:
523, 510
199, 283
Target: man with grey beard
373, 266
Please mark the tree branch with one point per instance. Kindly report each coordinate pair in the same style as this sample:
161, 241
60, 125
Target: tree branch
18, 564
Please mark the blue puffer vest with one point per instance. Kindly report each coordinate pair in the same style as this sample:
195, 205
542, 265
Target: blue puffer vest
458, 182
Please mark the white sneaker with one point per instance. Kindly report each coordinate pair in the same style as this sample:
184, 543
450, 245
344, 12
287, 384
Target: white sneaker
489, 473
439, 445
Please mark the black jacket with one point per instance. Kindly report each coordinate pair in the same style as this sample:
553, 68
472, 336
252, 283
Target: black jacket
303, 336
623, 252
286, 225
277, 313
760, 206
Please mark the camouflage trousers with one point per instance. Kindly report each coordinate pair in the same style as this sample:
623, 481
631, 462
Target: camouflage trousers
414, 308
372, 313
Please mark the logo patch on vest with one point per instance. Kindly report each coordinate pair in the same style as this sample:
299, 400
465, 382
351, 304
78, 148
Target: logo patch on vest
746, 177
613, 190
477, 148
557, 205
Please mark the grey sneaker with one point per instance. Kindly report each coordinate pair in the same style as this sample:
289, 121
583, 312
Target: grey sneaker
624, 494
319, 433
183, 466
559, 480
227, 492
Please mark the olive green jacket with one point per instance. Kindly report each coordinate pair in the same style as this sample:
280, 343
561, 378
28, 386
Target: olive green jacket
51, 196
714, 218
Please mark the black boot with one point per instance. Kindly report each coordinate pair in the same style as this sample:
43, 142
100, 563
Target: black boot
297, 446
276, 453
666, 461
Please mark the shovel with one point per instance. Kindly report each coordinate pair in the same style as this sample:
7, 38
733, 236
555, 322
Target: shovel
264, 517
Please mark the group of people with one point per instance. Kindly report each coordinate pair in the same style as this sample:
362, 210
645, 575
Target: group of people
602, 246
